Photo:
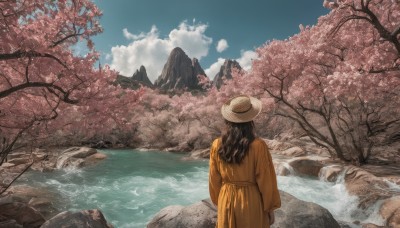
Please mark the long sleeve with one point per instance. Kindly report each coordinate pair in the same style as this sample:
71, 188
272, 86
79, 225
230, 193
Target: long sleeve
266, 178
214, 178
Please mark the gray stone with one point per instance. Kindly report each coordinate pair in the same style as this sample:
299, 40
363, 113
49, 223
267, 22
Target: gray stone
20, 212
369, 188
330, 173
199, 215
299, 214
86, 218
306, 166
293, 213
74, 157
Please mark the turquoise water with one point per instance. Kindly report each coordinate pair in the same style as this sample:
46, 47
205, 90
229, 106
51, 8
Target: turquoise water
131, 186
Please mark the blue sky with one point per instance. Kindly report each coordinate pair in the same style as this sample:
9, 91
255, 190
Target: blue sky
143, 32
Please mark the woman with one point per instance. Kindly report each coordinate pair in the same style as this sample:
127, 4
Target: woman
242, 180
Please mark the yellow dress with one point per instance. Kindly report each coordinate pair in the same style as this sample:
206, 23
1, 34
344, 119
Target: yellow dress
244, 193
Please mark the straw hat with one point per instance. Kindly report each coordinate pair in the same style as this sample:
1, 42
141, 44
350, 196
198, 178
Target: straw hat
241, 109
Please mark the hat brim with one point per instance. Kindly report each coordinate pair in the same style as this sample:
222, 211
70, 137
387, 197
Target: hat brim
248, 116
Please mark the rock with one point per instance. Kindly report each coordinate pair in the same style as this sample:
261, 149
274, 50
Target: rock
44, 206
306, 166
293, 213
199, 215
39, 156
394, 221
94, 158
14, 155
74, 157
37, 198
293, 152
225, 72
7, 165
20, 212
344, 224
309, 146
166, 217
44, 166
20, 161
25, 192
98, 156
79, 152
179, 72
277, 146
366, 186
393, 179
10, 224
298, 213
370, 225
330, 173
200, 154
86, 218
390, 211
283, 169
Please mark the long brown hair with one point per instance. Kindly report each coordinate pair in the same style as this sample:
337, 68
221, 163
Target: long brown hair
236, 141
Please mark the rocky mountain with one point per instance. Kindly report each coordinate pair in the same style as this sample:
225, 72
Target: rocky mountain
180, 72
141, 76
138, 79
225, 71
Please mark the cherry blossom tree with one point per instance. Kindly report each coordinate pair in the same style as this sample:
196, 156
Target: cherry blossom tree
338, 80
43, 76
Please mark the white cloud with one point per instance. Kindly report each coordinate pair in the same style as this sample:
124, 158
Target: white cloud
222, 45
151, 51
244, 60
214, 68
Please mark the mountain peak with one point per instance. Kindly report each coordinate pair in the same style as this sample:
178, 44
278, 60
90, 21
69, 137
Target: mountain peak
225, 72
180, 72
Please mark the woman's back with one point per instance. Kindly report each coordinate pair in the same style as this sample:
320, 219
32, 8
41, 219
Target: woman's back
244, 192
245, 171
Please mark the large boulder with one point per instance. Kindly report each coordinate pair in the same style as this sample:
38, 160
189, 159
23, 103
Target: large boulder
19, 213
199, 215
298, 213
390, 211
293, 213
306, 166
86, 218
369, 188
282, 168
77, 157
330, 173
199, 154
38, 198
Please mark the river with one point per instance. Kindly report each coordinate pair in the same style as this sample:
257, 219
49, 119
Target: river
131, 186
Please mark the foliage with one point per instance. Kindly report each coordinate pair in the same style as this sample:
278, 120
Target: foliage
339, 80
42, 74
